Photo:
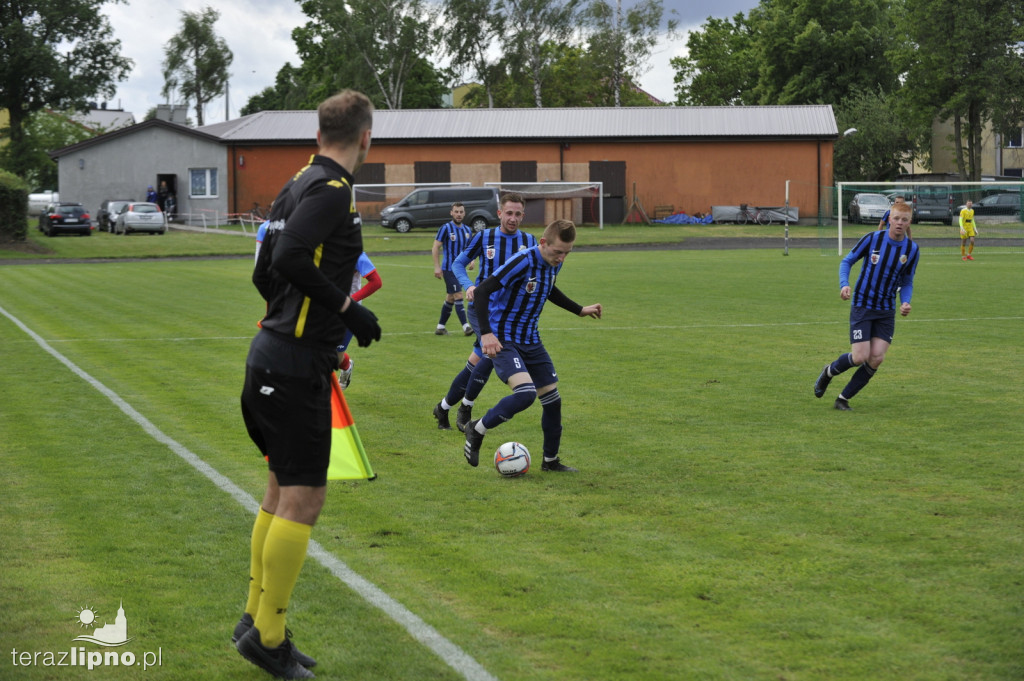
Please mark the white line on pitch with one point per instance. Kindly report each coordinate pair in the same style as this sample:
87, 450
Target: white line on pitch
451, 654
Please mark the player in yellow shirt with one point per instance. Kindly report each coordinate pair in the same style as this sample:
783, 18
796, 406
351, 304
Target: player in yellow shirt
968, 230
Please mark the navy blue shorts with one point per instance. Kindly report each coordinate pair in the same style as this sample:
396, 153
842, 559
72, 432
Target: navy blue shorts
451, 282
286, 406
532, 358
866, 324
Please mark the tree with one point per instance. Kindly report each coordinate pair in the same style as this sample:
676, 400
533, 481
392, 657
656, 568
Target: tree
882, 143
813, 52
469, 29
720, 67
196, 61
374, 43
621, 44
529, 26
56, 54
964, 61
45, 131
289, 92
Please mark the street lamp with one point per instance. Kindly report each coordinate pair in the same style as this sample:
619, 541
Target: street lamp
849, 132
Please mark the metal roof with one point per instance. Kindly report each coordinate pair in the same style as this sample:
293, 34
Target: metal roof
626, 123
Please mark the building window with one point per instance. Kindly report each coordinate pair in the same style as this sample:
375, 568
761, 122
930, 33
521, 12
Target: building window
202, 183
518, 171
1014, 139
1013, 172
432, 172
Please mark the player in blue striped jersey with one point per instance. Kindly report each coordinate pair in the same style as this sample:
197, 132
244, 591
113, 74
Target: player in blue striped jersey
509, 304
890, 261
451, 239
493, 247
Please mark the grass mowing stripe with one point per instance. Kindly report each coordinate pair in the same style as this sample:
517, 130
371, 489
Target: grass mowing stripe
452, 655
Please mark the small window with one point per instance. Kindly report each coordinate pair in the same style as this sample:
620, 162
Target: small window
1014, 139
202, 183
1013, 172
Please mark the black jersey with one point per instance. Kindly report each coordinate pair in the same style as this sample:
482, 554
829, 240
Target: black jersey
305, 266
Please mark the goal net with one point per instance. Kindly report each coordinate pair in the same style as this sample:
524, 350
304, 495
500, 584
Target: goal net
998, 212
580, 202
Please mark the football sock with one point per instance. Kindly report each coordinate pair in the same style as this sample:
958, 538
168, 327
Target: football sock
521, 398
259, 536
970, 249
460, 311
458, 386
551, 423
478, 380
963, 245
844, 362
446, 312
859, 380
284, 551
346, 363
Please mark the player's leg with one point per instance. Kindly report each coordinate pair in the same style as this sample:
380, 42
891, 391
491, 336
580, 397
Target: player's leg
460, 311
344, 361
870, 355
455, 392
970, 247
446, 313
860, 333
509, 366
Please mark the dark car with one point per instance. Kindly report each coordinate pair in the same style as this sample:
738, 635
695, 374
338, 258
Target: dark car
934, 203
106, 216
867, 208
996, 204
432, 208
65, 217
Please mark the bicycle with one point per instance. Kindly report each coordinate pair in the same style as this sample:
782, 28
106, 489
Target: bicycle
761, 217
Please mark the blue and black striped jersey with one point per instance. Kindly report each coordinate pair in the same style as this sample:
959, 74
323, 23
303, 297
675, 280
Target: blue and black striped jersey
514, 309
453, 238
494, 247
888, 267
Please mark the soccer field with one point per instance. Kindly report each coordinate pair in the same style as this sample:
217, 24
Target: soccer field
724, 525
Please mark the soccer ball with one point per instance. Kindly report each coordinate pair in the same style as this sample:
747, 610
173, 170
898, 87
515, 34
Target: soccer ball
512, 459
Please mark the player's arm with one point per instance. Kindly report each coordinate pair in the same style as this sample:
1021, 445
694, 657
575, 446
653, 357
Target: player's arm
489, 343
435, 252
459, 268
372, 285
963, 231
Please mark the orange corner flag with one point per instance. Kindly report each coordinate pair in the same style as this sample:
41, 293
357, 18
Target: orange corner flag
348, 458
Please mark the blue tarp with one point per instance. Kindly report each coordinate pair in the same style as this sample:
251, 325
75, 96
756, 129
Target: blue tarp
684, 219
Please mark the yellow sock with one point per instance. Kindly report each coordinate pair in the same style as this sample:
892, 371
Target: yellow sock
962, 247
284, 551
970, 249
259, 536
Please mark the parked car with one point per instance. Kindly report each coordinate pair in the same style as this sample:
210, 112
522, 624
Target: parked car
433, 208
65, 217
933, 203
867, 208
140, 216
1004, 203
107, 214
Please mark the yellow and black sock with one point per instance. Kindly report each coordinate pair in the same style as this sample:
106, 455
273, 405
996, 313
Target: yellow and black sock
259, 536
284, 551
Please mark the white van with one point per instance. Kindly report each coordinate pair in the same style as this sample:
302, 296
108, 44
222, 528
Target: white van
37, 202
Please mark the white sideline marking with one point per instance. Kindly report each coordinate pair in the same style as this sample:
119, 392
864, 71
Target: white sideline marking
451, 654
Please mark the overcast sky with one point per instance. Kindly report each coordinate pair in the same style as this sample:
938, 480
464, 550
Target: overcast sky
259, 34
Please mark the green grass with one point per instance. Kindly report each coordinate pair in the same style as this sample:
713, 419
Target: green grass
725, 524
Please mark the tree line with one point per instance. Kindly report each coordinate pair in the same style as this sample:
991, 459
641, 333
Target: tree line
889, 67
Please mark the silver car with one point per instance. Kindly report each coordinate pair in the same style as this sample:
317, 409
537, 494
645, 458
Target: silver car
867, 208
140, 216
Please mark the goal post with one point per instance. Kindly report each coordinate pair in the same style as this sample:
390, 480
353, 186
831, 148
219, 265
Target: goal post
998, 206
567, 200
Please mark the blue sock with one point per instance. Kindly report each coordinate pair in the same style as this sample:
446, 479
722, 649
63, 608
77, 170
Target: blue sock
551, 423
460, 311
446, 312
479, 378
458, 387
510, 405
859, 380
844, 362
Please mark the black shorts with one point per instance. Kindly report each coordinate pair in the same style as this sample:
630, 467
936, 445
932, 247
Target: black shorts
286, 405
451, 282
532, 358
866, 324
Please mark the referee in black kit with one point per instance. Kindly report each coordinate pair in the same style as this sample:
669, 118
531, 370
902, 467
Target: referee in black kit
304, 272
